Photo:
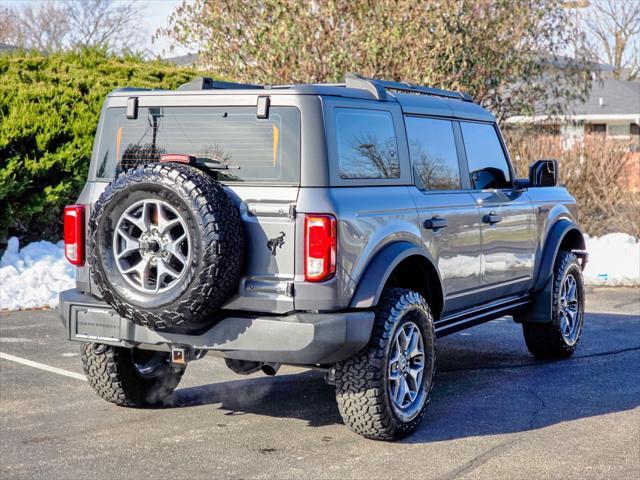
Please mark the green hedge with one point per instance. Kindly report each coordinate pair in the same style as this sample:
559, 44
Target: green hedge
49, 108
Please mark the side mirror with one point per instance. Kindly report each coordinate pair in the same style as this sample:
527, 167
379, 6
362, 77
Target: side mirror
544, 173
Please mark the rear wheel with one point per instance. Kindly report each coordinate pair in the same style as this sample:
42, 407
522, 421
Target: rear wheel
129, 377
384, 390
559, 338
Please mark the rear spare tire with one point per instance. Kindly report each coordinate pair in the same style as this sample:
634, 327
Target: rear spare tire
165, 246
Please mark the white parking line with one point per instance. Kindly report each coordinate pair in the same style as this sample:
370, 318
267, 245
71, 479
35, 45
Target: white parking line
42, 366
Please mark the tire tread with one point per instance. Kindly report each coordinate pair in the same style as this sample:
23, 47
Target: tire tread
360, 391
544, 340
109, 371
215, 279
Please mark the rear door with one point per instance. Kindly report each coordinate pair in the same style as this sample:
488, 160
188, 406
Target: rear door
506, 214
256, 159
448, 214
269, 225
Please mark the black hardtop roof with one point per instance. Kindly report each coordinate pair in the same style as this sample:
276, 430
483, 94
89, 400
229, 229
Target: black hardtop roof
414, 99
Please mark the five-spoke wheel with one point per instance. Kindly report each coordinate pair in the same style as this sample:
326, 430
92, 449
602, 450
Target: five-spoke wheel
406, 367
569, 309
559, 336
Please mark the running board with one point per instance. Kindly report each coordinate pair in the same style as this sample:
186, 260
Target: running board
459, 321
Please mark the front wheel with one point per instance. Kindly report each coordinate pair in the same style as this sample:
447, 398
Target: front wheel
384, 390
129, 377
559, 338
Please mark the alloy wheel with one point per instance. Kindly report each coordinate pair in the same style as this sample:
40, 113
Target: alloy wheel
152, 246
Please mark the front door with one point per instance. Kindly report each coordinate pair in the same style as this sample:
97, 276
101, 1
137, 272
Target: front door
508, 226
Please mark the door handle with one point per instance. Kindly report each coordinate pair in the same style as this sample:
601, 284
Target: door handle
435, 223
492, 218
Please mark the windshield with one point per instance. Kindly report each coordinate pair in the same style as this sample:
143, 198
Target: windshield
236, 145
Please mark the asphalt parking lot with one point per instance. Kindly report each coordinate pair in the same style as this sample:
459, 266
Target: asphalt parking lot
495, 413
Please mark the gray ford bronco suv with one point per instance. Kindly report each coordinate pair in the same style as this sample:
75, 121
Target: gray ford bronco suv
341, 227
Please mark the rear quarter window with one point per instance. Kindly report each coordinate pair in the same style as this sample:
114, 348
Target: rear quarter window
366, 142
246, 148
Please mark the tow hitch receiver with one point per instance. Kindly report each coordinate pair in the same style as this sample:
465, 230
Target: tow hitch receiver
178, 356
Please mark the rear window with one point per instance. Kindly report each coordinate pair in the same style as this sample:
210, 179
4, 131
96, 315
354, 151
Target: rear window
241, 147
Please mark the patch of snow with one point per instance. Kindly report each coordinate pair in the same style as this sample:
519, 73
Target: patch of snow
32, 277
614, 260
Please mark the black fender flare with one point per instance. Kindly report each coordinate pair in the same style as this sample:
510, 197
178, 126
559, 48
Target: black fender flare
540, 310
554, 239
379, 270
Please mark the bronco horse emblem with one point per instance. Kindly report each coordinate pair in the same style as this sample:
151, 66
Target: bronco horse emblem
275, 243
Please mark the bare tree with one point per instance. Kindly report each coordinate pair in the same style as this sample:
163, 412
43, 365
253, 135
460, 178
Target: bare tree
9, 33
615, 25
104, 24
372, 157
597, 171
51, 26
41, 27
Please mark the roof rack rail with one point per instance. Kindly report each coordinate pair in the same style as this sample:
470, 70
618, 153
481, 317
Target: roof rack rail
378, 88
130, 89
206, 83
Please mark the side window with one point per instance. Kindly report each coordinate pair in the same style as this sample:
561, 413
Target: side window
432, 148
488, 165
367, 146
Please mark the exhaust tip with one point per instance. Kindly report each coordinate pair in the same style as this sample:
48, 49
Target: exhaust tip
270, 368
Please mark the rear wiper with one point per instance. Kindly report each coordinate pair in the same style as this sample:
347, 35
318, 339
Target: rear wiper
206, 162
212, 164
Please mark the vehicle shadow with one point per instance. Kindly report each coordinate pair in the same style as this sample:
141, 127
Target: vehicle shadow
304, 396
487, 384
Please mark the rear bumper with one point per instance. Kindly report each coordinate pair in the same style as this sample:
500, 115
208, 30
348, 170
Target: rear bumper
299, 338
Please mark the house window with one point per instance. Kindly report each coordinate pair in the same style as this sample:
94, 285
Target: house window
634, 130
622, 130
595, 128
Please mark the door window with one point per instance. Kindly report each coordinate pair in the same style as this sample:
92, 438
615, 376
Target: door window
432, 148
367, 146
488, 165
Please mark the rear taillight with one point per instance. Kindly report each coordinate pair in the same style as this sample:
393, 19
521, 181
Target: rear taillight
319, 247
74, 234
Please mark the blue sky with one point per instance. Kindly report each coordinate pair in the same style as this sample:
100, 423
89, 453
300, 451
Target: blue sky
156, 14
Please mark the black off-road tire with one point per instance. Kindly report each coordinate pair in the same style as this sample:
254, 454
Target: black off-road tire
214, 223
112, 374
362, 390
545, 340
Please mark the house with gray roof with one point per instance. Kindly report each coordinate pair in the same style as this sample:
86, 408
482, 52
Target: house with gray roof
188, 60
612, 109
6, 48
